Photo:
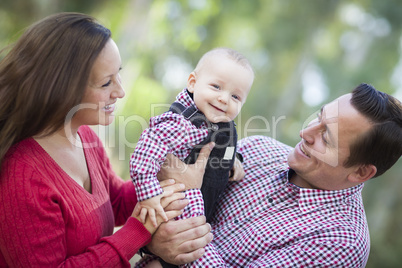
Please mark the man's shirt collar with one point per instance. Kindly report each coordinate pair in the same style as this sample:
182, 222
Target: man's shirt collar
310, 199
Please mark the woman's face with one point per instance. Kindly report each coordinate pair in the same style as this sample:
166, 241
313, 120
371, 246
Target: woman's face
103, 89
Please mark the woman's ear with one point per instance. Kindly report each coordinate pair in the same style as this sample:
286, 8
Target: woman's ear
362, 173
191, 82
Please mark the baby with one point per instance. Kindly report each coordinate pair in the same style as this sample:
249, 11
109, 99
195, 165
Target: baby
203, 112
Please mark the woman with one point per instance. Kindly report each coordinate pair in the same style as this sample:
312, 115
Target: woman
59, 196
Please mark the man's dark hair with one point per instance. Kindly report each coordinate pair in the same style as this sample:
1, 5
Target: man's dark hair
381, 146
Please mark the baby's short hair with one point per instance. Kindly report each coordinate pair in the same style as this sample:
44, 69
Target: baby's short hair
230, 53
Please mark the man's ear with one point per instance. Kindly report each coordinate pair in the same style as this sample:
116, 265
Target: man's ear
362, 173
191, 82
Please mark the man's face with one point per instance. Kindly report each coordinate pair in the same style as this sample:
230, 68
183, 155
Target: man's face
318, 158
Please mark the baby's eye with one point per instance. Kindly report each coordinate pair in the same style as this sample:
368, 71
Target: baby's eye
216, 86
107, 84
235, 97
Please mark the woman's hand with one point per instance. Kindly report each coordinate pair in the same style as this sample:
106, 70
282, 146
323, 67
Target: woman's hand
190, 175
172, 192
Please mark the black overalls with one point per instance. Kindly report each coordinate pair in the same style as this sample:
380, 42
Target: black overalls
221, 159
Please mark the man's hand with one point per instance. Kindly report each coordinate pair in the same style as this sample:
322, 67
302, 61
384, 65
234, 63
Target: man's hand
190, 175
182, 241
237, 172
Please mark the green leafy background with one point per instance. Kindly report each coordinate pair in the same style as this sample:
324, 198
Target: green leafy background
304, 52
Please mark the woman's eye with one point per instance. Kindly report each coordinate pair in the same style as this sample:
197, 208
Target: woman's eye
107, 84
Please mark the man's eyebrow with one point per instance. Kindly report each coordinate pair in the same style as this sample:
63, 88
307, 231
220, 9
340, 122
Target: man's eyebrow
319, 115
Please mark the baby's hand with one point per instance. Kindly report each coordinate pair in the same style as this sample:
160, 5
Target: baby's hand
172, 192
237, 173
152, 206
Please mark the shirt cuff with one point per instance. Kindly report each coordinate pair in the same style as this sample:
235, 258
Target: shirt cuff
147, 187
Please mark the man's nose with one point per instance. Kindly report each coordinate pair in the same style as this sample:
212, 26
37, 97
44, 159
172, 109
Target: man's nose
309, 133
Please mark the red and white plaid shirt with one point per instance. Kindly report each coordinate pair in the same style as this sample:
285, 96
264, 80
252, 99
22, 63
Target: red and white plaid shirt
266, 221
167, 133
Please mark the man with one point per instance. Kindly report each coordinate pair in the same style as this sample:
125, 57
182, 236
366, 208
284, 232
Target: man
302, 207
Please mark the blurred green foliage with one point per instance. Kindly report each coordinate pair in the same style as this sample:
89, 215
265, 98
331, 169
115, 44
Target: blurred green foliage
305, 53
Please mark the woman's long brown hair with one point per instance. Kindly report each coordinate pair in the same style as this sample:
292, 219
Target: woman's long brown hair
45, 74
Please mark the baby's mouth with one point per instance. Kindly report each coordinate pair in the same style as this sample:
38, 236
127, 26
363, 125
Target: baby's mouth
218, 108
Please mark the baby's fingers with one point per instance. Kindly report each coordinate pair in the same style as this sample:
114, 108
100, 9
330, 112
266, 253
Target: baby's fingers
143, 215
152, 217
162, 213
137, 210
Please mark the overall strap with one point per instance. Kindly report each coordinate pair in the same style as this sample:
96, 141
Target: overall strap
190, 113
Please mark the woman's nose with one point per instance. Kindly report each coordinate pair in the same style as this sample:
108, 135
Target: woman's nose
118, 92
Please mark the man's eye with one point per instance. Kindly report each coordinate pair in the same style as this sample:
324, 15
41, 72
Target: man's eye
323, 138
107, 84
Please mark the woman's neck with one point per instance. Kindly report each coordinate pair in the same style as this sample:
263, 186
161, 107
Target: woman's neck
65, 137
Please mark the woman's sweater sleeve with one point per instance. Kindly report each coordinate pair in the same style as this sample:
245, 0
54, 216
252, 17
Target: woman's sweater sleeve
34, 224
48, 220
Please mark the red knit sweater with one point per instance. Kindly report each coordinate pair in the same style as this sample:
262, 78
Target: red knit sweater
48, 220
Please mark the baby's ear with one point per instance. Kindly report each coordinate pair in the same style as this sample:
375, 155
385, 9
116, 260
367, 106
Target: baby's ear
191, 82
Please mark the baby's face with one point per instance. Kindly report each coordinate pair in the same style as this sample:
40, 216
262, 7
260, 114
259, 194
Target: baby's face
220, 88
